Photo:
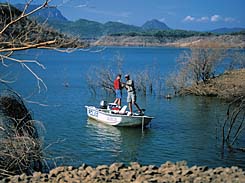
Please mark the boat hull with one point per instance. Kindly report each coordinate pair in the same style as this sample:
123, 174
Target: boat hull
109, 118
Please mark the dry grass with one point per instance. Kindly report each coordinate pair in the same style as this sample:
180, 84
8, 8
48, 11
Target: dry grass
229, 85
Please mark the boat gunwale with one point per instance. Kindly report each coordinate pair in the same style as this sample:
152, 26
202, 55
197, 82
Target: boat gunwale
117, 114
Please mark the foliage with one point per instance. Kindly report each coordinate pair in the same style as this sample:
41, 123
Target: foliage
238, 33
165, 33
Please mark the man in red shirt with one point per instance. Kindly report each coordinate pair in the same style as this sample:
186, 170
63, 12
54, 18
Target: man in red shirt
118, 89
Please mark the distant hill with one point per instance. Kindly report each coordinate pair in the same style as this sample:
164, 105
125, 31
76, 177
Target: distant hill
117, 27
50, 14
155, 25
227, 30
92, 29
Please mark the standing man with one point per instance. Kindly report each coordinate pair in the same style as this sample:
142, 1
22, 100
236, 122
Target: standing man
131, 99
118, 90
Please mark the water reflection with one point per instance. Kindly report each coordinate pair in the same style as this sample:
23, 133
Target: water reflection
121, 143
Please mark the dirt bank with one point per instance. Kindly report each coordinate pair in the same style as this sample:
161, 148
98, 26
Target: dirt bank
224, 41
118, 172
227, 86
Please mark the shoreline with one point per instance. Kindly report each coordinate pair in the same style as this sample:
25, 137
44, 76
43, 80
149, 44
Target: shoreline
120, 173
228, 86
222, 41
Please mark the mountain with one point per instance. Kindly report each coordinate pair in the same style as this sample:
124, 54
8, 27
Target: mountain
91, 29
117, 27
50, 14
155, 25
225, 30
81, 28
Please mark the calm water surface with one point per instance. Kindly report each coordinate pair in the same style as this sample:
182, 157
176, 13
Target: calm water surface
184, 128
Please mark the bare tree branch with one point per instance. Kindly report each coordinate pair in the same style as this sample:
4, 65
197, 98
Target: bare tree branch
18, 33
24, 14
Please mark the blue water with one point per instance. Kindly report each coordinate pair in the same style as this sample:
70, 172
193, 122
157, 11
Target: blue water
184, 128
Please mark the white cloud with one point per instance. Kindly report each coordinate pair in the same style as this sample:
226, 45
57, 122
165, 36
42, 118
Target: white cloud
216, 18
162, 19
229, 19
203, 19
81, 6
189, 19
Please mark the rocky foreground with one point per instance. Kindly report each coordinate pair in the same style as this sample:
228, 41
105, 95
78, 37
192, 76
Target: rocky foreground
118, 172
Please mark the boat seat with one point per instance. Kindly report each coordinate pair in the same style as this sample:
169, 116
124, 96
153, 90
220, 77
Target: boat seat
123, 110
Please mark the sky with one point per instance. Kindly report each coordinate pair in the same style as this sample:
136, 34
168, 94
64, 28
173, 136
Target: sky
200, 15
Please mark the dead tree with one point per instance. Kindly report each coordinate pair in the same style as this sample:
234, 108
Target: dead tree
233, 126
196, 66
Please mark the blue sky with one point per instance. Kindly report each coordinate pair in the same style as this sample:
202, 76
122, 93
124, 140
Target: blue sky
177, 14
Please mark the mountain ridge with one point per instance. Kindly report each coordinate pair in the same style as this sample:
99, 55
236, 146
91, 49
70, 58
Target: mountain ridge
154, 24
49, 13
87, 29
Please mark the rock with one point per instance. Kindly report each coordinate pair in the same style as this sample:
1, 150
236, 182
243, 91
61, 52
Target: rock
83, 166
94, 174
135, 165
202, 168
218, 170
56, 171
101, 167
82, 173
113, 175
115, 167
89, 169
142, 179
187, 172
70, 168
59, 177
37, 174
143, 168
181, 163
152, 167
118, 173
234, 168
128, 176
104, 172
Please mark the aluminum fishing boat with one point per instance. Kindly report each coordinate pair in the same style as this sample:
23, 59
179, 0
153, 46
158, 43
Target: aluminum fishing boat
111, 114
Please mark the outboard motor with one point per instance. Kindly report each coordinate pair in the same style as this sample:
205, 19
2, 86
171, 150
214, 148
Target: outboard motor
103, 104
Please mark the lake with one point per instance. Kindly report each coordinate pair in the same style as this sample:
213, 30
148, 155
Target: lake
184, 128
